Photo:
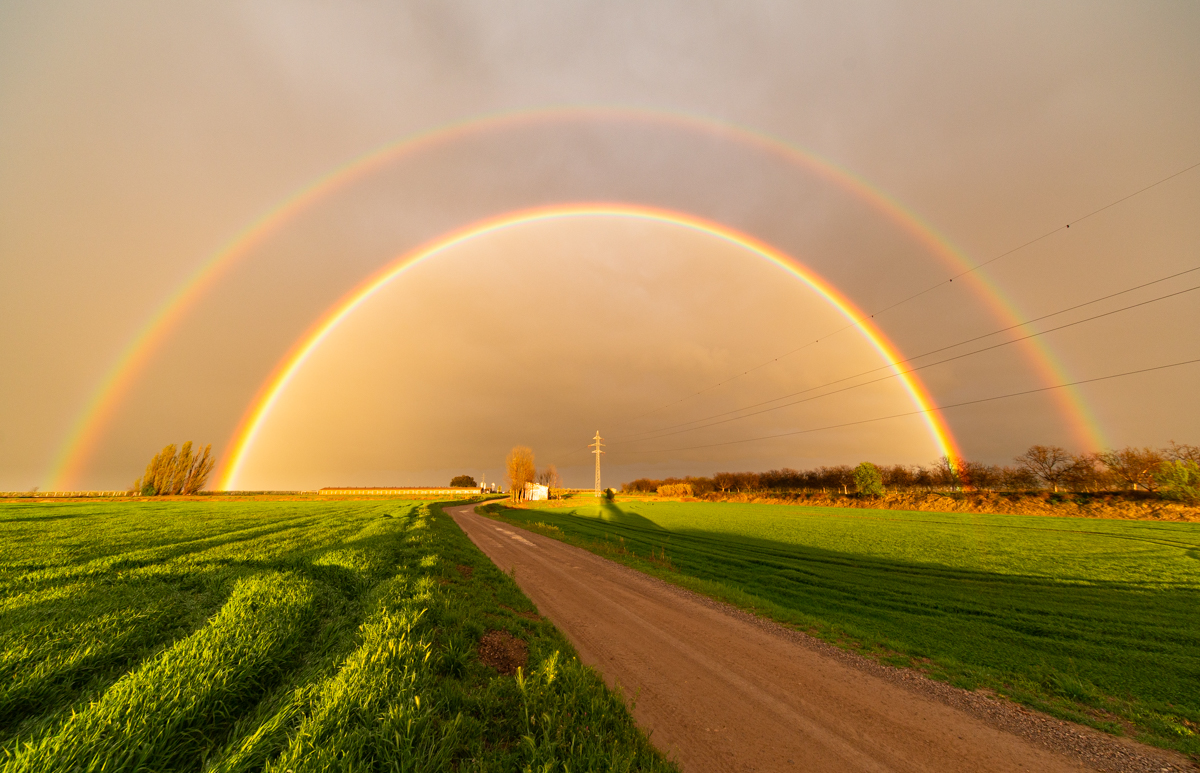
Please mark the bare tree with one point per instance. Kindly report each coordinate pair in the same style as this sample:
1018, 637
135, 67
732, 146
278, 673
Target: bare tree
977, 475
840, 476
724, 481
899, 476
1047, 463
549, 477
945, 472
1017, 479
1085, 473
1134, 466
520, 469
1182, 452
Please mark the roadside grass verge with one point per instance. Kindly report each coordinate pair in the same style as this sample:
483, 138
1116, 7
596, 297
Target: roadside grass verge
282, 636
1090, 621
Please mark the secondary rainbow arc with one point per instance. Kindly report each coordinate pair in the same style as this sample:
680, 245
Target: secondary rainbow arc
274, 386
101, 406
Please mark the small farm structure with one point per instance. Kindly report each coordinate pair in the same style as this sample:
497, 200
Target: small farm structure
535, 492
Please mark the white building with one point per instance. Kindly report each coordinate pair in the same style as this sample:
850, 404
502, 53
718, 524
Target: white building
535, 492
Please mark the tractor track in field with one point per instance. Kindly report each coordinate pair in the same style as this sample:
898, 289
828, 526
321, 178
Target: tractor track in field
720, 689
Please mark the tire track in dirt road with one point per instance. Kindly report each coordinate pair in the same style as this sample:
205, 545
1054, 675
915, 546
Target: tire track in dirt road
719, 692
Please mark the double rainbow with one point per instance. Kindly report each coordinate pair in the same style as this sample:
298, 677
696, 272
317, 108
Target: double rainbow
101, 407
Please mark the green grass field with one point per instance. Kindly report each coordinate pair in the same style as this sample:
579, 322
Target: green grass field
1093, 620
280, 636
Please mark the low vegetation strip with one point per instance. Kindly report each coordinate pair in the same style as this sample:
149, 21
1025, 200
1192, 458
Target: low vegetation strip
1126, 505
1094, 621
272, 636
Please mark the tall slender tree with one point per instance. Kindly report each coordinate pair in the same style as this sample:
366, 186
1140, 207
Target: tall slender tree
520, 470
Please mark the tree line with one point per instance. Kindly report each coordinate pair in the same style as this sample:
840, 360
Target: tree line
1173, 472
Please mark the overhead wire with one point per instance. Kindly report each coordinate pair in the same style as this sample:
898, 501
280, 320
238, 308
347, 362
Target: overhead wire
872, 315
911, 370
924, 410
894, 363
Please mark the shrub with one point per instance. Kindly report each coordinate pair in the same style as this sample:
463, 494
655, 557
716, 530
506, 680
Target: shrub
1179, 480
676, 490
867, 480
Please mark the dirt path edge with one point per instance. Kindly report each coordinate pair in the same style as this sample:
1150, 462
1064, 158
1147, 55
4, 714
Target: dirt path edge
1087, 746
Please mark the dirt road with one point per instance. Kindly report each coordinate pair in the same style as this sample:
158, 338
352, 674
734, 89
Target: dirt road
721, 693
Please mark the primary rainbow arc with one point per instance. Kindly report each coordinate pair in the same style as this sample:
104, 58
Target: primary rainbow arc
252, 422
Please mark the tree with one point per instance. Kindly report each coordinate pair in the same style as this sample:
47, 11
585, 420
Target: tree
1134, 466
725, 481
463, 481
899, 476
1182, 452
867, 480
945, 473
1085, 473
1047, 463
171, 473
1017, 479
840, 476
549, 477
780, 479
520, 469
1179, 480
978, 476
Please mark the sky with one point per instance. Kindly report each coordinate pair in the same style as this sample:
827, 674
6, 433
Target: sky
188, 192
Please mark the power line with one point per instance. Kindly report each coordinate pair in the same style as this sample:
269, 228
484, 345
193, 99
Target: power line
935, 351
859, 322
1075, 307
889, 376
924, 410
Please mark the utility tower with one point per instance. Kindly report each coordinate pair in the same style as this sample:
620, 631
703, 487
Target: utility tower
596, 450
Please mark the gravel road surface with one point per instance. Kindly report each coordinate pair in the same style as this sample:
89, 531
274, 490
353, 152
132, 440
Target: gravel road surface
719, 690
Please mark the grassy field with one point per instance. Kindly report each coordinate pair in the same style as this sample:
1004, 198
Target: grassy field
1093, 620
282, 636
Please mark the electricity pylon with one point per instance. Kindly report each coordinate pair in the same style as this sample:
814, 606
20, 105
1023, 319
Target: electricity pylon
597, 446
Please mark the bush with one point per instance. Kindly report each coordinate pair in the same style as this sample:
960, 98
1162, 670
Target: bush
867, 480
1179, 480
463, 481
609, 494
676, 490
